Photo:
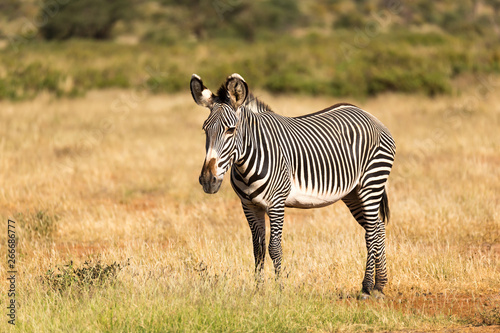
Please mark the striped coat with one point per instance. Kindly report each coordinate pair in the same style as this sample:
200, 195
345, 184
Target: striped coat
339, 153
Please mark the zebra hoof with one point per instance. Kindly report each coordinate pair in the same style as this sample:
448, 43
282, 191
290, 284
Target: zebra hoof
378, 295
374, 294
363, 296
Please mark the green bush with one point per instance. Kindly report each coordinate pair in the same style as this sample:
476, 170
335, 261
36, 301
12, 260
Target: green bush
25, 81
349, 21
314, 64
222, 18
89, 78
10, 8
82, 18
92, 274
400, 70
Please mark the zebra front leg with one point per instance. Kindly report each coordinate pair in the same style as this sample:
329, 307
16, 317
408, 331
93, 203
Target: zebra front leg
276, 218
257, 222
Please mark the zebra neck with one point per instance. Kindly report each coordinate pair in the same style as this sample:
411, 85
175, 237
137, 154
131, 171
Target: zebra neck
254, 146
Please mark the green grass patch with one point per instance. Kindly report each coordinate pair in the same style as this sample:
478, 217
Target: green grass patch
203, 306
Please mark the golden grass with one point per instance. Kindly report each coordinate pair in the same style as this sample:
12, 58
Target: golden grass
123, 183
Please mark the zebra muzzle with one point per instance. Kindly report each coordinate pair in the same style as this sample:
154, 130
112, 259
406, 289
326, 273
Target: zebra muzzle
208, 178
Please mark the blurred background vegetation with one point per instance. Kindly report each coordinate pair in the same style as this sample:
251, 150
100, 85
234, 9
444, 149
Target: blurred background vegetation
333, 47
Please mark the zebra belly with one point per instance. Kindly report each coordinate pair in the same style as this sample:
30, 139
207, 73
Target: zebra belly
307, 198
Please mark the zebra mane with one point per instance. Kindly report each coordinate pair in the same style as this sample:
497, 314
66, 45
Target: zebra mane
255, 105
251, 103
223, 95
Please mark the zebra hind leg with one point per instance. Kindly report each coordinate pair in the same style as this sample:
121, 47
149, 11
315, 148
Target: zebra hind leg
380, 260
256, 220
364, 206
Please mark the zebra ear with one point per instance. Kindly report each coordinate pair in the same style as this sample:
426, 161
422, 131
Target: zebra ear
237, 89
201, 94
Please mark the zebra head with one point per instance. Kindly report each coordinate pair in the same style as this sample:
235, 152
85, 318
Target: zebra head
223, 135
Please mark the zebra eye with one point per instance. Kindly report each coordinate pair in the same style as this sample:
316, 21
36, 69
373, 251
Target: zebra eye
230, 131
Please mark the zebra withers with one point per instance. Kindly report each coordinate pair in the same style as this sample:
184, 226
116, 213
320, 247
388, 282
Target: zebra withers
339, 153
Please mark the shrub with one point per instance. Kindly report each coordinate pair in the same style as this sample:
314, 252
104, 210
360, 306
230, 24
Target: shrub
349, 21
92, 274
10, 8
27, 80
82, 18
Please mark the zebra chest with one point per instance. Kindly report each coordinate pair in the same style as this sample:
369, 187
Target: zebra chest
251, 186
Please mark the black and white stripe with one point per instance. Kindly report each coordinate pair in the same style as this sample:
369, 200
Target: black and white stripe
339, 153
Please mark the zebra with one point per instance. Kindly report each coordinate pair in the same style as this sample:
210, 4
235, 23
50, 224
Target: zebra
339, 153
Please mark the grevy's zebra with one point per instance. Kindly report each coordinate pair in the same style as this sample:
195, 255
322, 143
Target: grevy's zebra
339, 153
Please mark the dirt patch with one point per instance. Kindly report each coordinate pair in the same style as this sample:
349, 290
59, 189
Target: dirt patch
144, 203
476, 310
81, 250
478, 329
464, 329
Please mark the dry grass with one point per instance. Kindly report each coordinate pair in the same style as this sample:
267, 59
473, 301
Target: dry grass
86, 180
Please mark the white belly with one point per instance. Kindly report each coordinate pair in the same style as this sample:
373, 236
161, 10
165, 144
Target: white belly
307, 198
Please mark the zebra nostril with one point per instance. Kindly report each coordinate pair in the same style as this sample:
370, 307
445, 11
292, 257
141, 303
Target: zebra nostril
214, 179
200, 179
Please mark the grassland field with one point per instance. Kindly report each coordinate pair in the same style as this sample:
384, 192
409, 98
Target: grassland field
114, 233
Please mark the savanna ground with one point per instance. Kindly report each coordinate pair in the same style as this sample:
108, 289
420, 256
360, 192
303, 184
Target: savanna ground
114, 233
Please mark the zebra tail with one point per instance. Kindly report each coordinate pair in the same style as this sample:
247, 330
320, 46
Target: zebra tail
385, 212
